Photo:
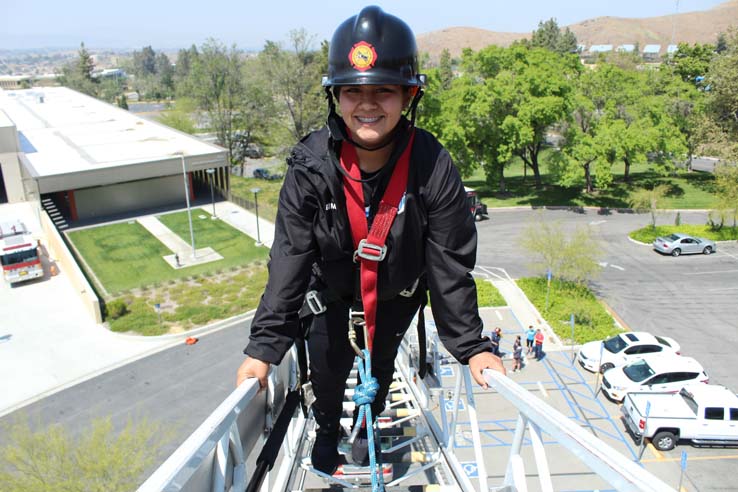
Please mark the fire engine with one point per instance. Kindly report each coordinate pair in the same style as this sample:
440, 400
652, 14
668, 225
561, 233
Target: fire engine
19, 253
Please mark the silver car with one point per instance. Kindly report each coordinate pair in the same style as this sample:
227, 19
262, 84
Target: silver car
681, 244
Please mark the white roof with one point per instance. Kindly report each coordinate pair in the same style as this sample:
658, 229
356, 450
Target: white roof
672, 48
600, 48
627, 48
668, 362
652, 48
62, 131
701, 390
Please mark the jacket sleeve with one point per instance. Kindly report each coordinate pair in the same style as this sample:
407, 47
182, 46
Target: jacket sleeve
450, 251
293, 252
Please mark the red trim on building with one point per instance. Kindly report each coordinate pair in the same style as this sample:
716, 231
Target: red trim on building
72, 205
192, 189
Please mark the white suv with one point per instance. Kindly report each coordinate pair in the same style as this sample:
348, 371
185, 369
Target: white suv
623, 349
665, 373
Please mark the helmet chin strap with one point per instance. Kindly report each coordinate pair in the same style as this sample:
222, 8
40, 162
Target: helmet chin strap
338, 129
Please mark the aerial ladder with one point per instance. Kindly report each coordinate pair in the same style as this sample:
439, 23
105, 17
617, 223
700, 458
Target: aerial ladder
261, 440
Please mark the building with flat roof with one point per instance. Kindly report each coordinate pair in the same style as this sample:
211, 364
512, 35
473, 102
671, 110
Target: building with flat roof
93, 160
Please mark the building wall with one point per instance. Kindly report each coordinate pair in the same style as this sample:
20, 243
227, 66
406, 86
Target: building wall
102, 201
12, 178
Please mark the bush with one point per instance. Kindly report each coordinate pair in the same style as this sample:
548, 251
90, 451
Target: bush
115, 309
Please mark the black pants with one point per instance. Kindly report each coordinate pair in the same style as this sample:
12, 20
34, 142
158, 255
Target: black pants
331, 355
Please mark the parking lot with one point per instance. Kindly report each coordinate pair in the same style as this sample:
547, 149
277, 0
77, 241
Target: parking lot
571, 390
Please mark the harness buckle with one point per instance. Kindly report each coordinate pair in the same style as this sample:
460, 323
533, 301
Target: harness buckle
369, 251
410, 290
312, 299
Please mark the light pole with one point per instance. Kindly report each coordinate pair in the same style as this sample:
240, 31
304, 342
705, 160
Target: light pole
187, 199
211, 174
256, 191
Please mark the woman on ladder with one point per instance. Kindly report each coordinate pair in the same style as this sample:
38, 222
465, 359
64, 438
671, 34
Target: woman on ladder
372, 215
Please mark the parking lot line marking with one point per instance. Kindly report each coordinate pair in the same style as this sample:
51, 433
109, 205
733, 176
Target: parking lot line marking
617, 267
691, 458
499, 316
655, 452
725, 253
543, 390
710, 273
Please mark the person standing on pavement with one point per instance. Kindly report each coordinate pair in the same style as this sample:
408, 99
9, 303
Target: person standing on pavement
322, 249
517, 354
495, 340
538, 339
529, 336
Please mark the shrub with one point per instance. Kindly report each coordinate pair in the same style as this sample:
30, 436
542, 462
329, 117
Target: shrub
488, 295
115, 308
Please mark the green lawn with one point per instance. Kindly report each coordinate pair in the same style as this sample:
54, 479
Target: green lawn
648, 233
591, 320
126, 256
268, 196
687, 190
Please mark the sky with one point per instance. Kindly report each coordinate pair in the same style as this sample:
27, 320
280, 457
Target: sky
165, 24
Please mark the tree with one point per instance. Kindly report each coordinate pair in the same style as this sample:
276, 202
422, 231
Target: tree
98, 460
723, 82
573, 257
445, 69
648, 200
721, 44
144, 62
726, 187
550, 36
690, 62
77, 75
217, 85
293, 77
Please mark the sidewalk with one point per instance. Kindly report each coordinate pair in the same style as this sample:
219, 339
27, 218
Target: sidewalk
244, 221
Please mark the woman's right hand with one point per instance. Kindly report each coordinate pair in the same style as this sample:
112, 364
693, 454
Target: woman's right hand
253, 368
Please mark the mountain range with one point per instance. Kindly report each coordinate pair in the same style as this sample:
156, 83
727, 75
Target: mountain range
689, 27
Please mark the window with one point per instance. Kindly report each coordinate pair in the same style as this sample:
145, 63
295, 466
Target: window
714, 413
681, 376
650, 349
615, 344
638, 371
661, 379
734, 414
663, 341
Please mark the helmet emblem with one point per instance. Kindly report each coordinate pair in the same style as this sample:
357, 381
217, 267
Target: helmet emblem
362, 56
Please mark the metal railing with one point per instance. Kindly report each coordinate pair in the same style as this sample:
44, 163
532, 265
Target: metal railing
216, 457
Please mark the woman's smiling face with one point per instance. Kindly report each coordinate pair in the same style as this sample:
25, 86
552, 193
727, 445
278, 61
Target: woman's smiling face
371, 112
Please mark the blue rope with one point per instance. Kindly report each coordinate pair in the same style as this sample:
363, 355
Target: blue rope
364, 395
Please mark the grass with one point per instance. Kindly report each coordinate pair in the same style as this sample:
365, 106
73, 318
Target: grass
693, 190
488, 295
648, 233
268, 196
126, 256
591, 320
188, 303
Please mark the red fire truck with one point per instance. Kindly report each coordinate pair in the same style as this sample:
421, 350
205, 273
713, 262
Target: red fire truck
18, 253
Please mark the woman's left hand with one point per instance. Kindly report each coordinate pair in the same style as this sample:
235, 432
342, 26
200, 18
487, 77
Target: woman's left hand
485, 360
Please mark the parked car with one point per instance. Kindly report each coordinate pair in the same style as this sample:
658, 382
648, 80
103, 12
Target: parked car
665, 373
623, 349
702, 413
682, 244
477, 208
262, 173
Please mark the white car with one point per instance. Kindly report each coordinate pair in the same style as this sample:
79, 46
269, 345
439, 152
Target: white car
623, 349
664, 374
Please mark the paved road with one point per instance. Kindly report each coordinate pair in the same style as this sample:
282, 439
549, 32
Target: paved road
692, 298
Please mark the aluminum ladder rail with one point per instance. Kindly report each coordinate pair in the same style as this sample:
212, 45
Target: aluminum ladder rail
216, 456
535, 416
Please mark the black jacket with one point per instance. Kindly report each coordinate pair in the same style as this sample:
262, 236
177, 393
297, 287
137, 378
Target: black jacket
434, 234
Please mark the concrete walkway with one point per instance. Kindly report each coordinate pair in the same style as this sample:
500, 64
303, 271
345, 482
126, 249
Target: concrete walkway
182, 255
244, 221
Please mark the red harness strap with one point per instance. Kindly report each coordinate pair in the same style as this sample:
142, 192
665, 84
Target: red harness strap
370, 245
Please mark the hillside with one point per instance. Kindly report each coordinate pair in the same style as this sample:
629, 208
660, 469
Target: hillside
691, 27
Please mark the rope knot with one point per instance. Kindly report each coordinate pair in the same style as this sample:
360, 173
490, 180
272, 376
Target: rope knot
365, 392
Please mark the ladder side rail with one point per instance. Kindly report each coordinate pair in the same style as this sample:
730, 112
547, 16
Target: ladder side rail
195, 456
471, 409
609, 464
